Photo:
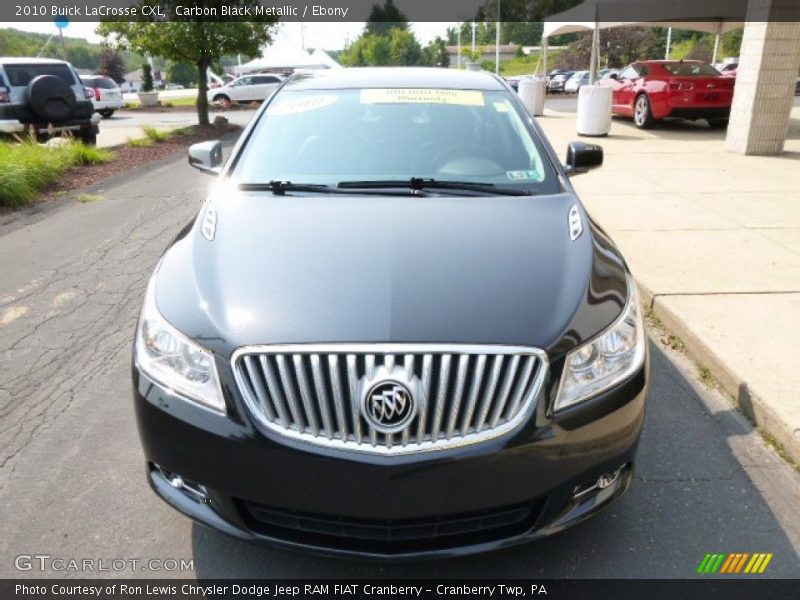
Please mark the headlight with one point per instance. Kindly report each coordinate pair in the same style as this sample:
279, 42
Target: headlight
173, 360
610, 358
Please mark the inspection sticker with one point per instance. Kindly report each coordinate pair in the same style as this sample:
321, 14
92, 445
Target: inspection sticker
421, 96
523, 175
501, 106
293, 107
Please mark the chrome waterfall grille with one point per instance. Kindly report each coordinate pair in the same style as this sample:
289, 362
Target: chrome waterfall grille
390, 398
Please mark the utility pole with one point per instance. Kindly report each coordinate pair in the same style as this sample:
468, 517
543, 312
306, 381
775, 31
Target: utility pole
497, 42
458, 41
669, 42
473, 37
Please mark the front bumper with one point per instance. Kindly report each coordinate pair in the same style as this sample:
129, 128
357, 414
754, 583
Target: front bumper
256, 485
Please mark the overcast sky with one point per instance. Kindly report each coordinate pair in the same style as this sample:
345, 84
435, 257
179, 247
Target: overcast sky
330, 36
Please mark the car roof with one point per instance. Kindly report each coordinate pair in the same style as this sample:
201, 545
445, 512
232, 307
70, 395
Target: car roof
21, 60
669, 62
395, 77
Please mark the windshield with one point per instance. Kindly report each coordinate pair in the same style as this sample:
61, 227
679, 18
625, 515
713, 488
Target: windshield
333, 136
691, 69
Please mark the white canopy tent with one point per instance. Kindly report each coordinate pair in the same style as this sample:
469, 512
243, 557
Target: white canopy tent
709, 16
283, 53
320, 56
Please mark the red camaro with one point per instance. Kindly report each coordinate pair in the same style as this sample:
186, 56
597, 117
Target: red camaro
652, 90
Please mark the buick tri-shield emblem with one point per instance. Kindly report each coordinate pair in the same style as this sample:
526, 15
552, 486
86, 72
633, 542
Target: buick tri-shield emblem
388, 406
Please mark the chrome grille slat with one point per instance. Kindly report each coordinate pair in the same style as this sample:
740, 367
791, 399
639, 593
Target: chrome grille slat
462, 394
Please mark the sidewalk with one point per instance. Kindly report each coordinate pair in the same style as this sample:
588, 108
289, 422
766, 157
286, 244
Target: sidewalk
713, 239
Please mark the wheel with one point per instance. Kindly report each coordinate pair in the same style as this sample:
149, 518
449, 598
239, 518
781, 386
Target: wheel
718, 123
642, 115
106, 114
89, 137
223, 99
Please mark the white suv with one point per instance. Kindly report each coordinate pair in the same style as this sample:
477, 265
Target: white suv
106, 95
250, 88
45, 97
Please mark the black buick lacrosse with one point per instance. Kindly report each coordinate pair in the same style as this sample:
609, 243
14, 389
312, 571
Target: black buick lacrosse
392, 331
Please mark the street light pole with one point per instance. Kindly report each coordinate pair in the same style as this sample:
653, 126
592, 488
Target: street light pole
497, 42
458, 41
473, 39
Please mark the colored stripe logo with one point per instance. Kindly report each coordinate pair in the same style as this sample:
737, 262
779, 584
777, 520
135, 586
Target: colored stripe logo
734, 563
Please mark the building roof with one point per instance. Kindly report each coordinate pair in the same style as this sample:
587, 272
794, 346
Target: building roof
395, 77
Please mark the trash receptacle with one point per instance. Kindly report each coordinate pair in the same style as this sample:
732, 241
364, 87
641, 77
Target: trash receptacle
532, 93
594, 110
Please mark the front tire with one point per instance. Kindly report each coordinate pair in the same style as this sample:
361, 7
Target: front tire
89, 137
718, 123
642, 114
106, 114
223, 99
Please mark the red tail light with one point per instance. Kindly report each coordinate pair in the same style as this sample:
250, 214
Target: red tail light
97, 94
4, 97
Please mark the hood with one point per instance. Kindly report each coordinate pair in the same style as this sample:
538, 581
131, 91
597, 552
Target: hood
341, 268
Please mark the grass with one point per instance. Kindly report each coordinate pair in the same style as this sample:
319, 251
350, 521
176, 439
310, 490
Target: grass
26, 168
144, 142
706, 378
187, 101
154, 135
87, 198
779, 449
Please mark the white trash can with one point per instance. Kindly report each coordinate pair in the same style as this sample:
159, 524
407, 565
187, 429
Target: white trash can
594, 110
532, 93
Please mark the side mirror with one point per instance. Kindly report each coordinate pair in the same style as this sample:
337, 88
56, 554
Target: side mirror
206, 157
582, 157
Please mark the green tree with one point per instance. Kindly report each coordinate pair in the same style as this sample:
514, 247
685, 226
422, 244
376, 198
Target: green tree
404, 49
367, 50
382, 19
182, 73
435, 54
112, 65
199, 43
147, 78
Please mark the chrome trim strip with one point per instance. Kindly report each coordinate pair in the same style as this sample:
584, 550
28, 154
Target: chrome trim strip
524, 406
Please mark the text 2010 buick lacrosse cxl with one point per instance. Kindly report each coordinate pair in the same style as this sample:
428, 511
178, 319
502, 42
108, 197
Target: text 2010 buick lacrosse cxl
392, 330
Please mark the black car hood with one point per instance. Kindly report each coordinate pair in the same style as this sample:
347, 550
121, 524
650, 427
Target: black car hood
341, 268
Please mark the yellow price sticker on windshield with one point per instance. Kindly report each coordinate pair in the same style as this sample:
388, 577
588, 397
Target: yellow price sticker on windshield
421, 96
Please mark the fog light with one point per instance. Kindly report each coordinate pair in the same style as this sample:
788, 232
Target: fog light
603, 482
194, 490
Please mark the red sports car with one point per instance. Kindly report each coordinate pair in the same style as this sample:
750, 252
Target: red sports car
652, 90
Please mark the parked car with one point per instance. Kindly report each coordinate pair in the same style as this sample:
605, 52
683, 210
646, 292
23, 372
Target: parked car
607, 73
47, 97
653, 90
106, 95
729, 69
319, 365
576, 82
514, 80
174, 86
557, 82
250, 88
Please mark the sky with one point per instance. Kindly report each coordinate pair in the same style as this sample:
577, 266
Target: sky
330, 36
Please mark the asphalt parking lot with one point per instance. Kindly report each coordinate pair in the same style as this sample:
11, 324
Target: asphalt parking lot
72, 479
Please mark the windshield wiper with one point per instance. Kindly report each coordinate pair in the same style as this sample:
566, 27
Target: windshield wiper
422, 183
279, 188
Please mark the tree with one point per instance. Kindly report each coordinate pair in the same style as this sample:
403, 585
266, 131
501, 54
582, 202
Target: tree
404, 49
147, 78
382, 19
435, 54
199, 43
182, 73
112, 65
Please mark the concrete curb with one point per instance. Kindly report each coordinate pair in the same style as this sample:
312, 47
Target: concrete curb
749, 401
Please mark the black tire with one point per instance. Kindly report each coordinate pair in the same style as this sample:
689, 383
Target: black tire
718, 123
222, 99
88, 137
106, 114
642, 115
51, 98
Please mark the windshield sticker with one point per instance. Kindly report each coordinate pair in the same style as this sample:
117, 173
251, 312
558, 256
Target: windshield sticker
501, 106
422, 96
293, 107
523, 175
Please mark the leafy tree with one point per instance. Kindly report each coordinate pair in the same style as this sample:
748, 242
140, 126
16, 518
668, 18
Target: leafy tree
435, 54
112, 65
367, 50
404, 49
199, 43
182, 73
618, 47
382, 19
